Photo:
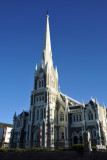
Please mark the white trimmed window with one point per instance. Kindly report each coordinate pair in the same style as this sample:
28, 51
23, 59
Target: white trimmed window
90, 115
40, 83
61, 116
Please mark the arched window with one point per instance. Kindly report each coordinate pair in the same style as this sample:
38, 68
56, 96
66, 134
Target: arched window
40, 98
39, 83
77, 117
44, 112
61, 116
42, 83
61, 133
37, 114
74, 118
41, 113
90, 115
37, 99
74, 138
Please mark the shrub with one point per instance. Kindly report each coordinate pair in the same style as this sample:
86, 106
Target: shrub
78, 147
93, 148
64, 149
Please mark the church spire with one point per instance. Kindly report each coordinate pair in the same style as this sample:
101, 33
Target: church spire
47, 41
47, 53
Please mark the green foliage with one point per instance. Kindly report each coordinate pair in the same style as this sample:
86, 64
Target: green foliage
5, 125
25, 150
93, 148
65, 149
78, 147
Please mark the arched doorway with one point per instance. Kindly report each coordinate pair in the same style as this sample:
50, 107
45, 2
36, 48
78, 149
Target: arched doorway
75, 140
81, 140
36, 139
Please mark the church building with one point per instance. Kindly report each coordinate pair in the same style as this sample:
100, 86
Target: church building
54, 119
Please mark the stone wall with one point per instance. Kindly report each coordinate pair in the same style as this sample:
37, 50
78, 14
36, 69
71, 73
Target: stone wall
65, 155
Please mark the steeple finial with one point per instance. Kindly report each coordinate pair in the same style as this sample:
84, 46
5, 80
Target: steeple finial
47, 53
47, 12
47, 41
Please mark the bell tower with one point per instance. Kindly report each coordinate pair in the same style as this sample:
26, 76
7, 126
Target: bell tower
43, 97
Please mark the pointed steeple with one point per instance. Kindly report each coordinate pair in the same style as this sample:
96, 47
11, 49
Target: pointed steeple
47, 53
47, 41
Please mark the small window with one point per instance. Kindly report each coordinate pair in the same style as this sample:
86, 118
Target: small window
41, 113
90, 116
77, 117
37, 99
42, 83
61, 116
74, 118
40, 98
44, 112
37, 114
39, 84
62, 135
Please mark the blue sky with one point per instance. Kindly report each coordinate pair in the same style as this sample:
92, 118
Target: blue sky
79, 45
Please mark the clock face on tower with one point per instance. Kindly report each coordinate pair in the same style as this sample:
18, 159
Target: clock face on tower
41, 75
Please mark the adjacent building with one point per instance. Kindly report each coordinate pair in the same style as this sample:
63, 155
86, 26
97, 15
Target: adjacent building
54, 119
5, 133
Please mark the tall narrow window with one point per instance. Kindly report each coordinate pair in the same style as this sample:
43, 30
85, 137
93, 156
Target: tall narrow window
44, 112
61, 116
37, 113
74, 118
90, 116
62, 135
41, 113
39, 83
79, 117
42, 83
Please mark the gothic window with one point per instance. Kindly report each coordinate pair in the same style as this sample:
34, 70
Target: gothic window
61, 116
90, 115
37, 114
39, 83
62, 135
41, 113
66, 117
37, 99
95, 115
32, 99
74, 118
79, 117
18, 124
42, 83
44, 112
42, 98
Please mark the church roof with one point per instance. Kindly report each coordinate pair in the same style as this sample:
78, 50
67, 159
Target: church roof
25, 113
71, 100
